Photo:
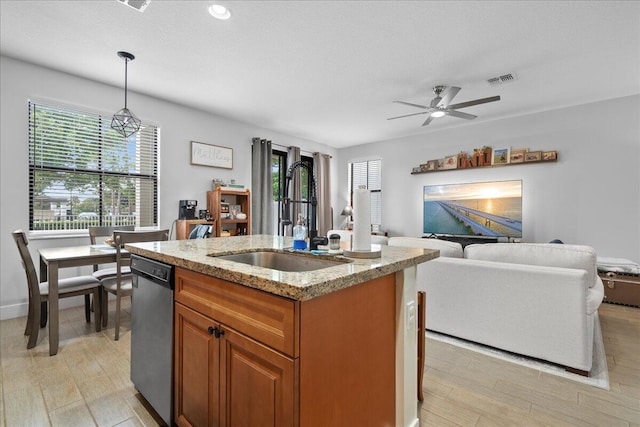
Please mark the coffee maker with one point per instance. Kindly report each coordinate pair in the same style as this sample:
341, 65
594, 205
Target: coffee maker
187, 209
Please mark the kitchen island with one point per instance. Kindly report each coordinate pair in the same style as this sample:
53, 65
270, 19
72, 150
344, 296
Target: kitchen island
262, 346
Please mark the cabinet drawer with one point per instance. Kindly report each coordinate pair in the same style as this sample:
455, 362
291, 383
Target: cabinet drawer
269, 319
621, 288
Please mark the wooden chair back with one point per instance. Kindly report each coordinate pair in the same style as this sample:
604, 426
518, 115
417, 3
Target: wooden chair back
106, 231
27, 263
121, 238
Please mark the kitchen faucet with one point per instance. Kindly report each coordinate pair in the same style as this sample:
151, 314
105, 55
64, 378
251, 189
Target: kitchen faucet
314, 240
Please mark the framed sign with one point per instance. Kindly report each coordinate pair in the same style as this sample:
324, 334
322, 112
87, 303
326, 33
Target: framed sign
211, 155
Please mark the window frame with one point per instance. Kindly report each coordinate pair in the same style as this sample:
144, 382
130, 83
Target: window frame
377, 190
282, 173
44, 151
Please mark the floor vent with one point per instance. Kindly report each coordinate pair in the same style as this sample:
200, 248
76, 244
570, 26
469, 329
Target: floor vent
501, 80
139, 5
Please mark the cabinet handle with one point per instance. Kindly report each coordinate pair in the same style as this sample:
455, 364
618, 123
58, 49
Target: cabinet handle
215, 331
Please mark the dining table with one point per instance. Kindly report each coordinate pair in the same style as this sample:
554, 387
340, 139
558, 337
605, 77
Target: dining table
52, 260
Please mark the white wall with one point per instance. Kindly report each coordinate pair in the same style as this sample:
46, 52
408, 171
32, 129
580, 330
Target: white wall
590, 196
178, 178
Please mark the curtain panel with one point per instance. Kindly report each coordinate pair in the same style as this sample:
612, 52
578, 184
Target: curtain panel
261, 187
322, 164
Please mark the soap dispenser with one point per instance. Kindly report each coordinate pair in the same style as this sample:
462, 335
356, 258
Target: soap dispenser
300, 235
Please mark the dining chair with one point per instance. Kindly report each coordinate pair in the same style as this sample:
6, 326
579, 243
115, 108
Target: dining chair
120, 285
103, 273
106, 231
39, 292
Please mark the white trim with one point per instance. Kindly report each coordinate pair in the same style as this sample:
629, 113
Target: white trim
57, 234
22, 309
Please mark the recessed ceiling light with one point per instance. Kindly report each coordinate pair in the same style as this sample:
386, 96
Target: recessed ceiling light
220, 12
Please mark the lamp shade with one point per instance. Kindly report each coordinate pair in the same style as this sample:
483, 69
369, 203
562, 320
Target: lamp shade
125, 122
347, 210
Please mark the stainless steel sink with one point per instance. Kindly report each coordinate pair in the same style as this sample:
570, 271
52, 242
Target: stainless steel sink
283, 261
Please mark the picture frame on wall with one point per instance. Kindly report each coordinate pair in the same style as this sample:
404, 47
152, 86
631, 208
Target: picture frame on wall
549, 155
450, 162
533, 156
432, 165
517, 155
440, 164
500, 156
211, 155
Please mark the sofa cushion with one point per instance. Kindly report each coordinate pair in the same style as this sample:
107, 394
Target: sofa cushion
446, 248
543, 254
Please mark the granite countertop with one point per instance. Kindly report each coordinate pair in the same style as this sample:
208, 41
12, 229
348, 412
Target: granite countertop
194, 255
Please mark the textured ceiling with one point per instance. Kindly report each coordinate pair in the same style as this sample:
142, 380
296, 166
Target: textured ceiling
328, 71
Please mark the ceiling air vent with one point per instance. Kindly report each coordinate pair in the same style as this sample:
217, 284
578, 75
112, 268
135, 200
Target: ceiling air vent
501, 80
139, 5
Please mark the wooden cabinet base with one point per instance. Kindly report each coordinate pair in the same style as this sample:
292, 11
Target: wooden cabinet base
347, 356
333, 365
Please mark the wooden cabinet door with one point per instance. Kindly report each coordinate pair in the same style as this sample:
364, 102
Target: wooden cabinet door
196, 369
256, 384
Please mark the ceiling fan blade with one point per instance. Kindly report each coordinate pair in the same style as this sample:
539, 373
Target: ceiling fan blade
411, 105
426, 122
435, 101
474, 102
460, 114
448, 97
407, 115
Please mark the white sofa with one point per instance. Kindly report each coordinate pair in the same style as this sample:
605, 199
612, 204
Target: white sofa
539, 300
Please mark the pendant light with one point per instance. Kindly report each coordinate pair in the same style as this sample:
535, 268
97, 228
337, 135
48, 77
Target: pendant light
124, 121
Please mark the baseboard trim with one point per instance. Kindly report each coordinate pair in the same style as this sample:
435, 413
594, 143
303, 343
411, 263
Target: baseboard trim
14, 310
21, 309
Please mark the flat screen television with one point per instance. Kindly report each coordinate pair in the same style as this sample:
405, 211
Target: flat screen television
476, 209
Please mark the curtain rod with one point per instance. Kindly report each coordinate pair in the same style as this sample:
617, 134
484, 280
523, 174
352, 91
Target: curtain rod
301, 151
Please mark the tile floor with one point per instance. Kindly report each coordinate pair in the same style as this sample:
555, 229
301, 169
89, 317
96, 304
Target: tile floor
86, 384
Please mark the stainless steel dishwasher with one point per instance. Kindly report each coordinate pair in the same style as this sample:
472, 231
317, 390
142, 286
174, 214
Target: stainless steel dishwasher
152, 333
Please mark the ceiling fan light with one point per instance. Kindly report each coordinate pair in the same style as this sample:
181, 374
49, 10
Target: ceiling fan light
437, 114
219, 12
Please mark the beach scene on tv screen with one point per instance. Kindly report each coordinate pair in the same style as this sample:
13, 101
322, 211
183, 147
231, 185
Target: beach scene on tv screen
476, 209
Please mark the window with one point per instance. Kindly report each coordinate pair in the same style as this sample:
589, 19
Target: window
82, 173
278, 174
369, 174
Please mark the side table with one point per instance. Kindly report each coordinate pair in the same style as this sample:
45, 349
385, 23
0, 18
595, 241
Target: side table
621, 288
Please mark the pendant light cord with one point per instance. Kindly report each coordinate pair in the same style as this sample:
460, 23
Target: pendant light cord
126, 60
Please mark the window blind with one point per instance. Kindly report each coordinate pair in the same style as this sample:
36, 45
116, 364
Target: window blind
82, 173
369, 174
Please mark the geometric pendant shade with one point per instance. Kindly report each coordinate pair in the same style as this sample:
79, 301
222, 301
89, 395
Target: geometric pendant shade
124, 121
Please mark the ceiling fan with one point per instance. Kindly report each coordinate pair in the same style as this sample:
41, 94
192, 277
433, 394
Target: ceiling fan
441, 106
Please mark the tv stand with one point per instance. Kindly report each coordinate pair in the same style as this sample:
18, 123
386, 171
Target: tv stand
463, 240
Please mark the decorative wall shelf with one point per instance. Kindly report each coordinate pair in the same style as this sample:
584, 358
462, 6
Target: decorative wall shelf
482, 158
486, 167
